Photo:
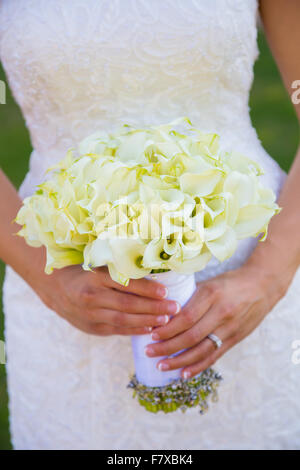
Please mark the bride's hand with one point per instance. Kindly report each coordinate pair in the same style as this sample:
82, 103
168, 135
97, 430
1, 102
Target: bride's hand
231, 306
95, 304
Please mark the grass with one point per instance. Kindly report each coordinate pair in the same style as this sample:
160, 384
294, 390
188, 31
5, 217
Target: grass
272, 115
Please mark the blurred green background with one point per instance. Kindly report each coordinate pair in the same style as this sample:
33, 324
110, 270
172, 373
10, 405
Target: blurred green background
272, 114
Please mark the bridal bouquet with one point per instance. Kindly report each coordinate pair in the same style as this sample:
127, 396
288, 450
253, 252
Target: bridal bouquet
159, 202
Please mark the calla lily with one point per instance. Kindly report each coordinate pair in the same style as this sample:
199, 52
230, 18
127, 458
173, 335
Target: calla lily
171, 199
114, 222
147, 193
201, 184
265, 196
191, 244
122, 183
63, 228
213, 206
252, 220
128, 257
60, 258
214, 228
196, 223
96, 254
242, 187
171, 225
190, 266
224, 246
117, 276
195, 163
155, 181
131, 148
168, 149
95, 143
238, 162
231, 208
171, 244
205, 145
64, 163
155, 256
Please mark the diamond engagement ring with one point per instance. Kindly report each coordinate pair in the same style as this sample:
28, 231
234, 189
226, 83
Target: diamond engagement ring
216, 340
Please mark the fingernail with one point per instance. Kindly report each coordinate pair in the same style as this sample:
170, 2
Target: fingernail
163, 320
148, 329
155, 336
186, 374
162, 292
174, 308
163, 366
149, 351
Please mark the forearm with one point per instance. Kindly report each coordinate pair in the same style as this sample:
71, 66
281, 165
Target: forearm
279, 255
27, 261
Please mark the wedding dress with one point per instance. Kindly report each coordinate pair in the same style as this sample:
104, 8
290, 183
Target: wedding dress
76, 66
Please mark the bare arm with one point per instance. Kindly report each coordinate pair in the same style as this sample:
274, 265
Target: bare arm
28, 262
280, 253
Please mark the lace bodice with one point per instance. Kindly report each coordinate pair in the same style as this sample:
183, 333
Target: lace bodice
75, 66
103, 62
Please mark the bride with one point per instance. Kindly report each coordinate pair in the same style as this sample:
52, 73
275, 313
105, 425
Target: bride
83, 65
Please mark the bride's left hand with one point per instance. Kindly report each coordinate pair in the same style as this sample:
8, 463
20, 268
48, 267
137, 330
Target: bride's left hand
230, 306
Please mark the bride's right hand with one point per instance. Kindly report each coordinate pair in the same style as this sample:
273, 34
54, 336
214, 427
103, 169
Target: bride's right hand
95, 304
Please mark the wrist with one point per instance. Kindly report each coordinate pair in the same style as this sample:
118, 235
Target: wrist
35, 276
271, 268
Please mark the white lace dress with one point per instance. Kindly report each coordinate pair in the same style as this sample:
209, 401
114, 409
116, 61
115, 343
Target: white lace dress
79, 65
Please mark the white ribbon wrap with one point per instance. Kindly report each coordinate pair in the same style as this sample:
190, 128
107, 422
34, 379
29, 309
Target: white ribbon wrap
180, 288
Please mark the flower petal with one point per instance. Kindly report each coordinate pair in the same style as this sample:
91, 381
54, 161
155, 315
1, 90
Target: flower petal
224, 246
252, 220
201, 184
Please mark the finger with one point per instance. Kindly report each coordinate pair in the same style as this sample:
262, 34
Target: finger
188, 357
125, 302
209, 361
84, 326
130, 320
213, 321
189, 315
108, 330
102, 329
143, 287
187, 339
197, 353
